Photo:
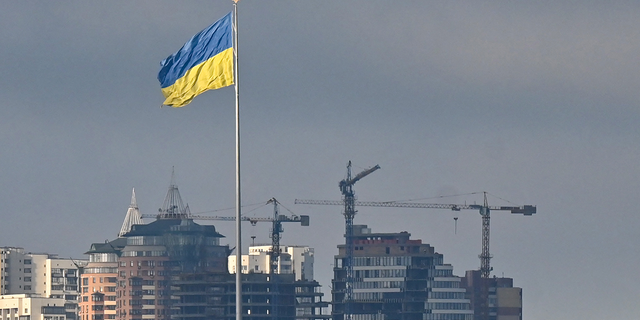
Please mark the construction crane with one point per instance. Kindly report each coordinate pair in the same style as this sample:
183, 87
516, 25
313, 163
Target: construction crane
348, 200
276, 228
485, 209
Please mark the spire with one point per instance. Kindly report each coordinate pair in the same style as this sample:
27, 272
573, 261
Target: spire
134, 203
173, 208
133, 216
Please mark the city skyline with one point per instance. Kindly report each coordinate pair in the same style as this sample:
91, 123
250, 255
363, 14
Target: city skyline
535, 103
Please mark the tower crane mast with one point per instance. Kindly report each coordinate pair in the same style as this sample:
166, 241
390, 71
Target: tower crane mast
348, 201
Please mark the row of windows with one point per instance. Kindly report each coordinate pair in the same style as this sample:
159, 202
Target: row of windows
140, 282
378, 284
446, 295
381, 261
103, 257
140, 273
98, 298
143, 263
448, 306
367, 295
385, 273
137, 302
445, 284
154, 253
148, 292
375, 316
101, 270
99, 289
99, 317
441, 273
85, 281
449, 316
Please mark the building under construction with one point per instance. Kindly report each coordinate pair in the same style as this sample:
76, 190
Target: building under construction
493, 298
264, 297
396, 278
412, 273
175, 268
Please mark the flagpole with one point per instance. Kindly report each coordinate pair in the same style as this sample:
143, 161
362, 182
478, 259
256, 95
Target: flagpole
238, 202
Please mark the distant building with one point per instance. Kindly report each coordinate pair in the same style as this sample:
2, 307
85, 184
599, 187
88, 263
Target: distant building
174, 268
296, 260
504, 302
397, 278
31, 306
294, 272
41, 275
146, 259
99, 281
264, 297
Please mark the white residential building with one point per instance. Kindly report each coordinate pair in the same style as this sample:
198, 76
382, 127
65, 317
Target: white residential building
31, 307
41, 274
293, 259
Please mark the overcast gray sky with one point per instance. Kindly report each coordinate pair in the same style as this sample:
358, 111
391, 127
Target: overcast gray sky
534, 102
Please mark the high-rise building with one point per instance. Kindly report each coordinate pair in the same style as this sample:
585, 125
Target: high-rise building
174, 268
396, 277
493, 298
42, 274
157, 253
99, 281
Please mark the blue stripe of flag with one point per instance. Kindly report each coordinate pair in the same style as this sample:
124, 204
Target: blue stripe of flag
200, 48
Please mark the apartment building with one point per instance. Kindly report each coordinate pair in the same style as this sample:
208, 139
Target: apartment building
99, 281
31, 306
294, 259
396, 277
42, 274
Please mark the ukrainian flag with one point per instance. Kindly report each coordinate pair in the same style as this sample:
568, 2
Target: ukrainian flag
204, 63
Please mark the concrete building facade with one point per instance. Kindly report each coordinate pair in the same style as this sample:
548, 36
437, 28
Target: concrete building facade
42, 274
396, 277
493, 298
157, 253
99, 281
264, 297
31, 307
293, 259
